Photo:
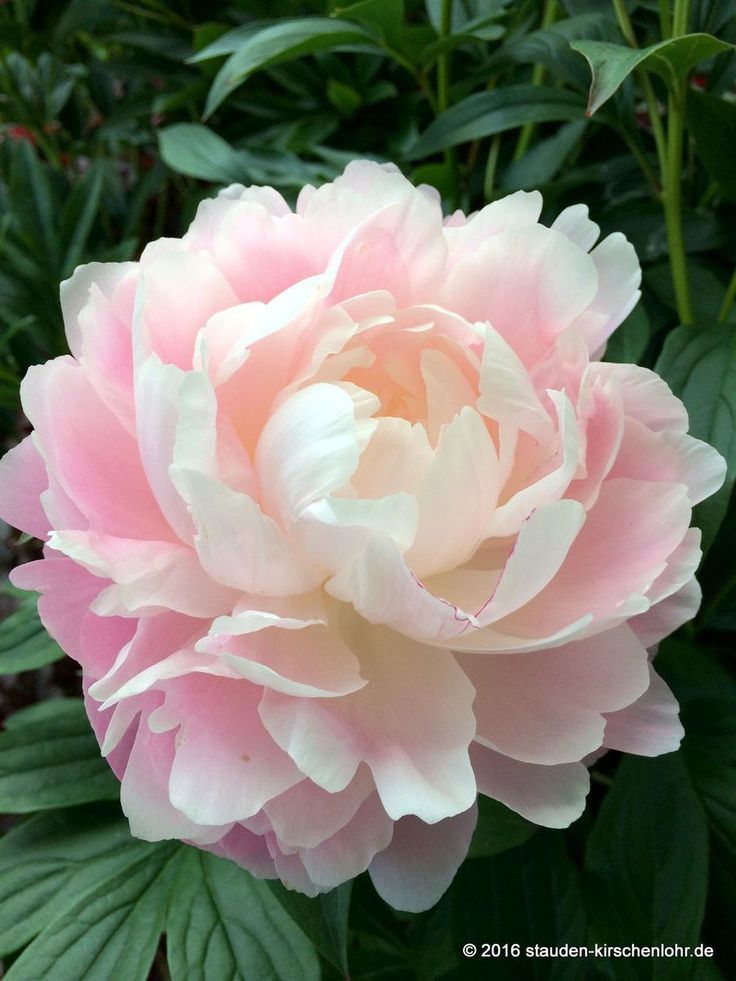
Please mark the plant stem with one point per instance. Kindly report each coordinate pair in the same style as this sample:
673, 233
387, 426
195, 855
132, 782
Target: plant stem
665, 20
627, 29
681, 18
443, 92
673, 205
490, 174
640, 157
728, 299
443, 62
527, 130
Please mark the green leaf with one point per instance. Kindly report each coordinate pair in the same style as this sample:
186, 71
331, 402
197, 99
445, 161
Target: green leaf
498, 829
629, 341
527, 895
712, 122
281, 42
24, 643
487, 113
611, 64
54, 762
648, 859
229, 42
49, 861
194, 150
110, 931
324, 919
545, 159
223, 923
51, 708
79, 215
699, 364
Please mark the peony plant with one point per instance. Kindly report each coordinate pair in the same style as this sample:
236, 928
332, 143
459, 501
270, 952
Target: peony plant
346, 522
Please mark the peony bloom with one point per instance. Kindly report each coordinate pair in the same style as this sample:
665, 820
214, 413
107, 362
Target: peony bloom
345, 522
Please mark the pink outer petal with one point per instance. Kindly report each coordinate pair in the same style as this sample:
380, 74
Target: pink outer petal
67, 591
350, 850
649, 727
422, 859
22, 481
465, 235
412, 724
668, 614
619, 278
625, 543
247, 850
226, 765
176, 287
554, 281
670, 457
306, 815
302, 658
553, 796
646, 397
547, 707
75, 432
144, 794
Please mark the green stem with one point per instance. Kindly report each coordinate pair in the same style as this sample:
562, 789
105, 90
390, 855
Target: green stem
640, 157
527, 130
443, 92
673, 206
627, 29
665, 19
681, 18
490, 174
443, 62
728, 299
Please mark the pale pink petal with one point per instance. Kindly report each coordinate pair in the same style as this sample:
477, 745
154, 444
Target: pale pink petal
668, 615
619, 278
574, 224
548, 707
297, 657
144, 793
419, 760
74, 433
465, 236
670, 457
422, 859
553, 796
23, 479
238, 545
554, 281
162, 302
147, 575
650, 726
646, 397
226, 765
349, 851
305, 815
454, 513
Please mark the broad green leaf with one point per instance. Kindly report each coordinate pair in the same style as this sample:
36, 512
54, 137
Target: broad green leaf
49, 861
24, 643
647, 856
54, 762
712, 122
324, 919
628, 342
284, 41
50, 708
498, 829
79, 215
545, 159
699, 364
111, 930
611, 64
384, 16
527, 895
223, 923
229, 42
194, 150
487, 113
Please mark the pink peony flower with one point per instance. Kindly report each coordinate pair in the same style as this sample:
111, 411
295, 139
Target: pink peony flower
346, 522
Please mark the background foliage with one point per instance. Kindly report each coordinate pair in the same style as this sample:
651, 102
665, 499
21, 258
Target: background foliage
116, 118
